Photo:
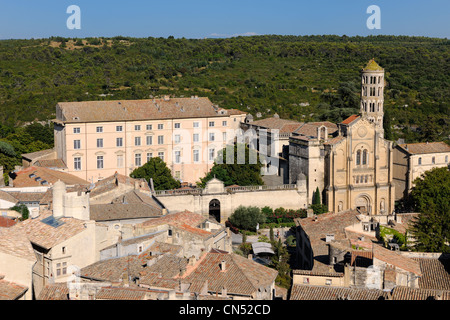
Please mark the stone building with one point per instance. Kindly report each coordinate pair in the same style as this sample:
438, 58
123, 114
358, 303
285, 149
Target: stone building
95, 139
219, 202
411, 160
351, 162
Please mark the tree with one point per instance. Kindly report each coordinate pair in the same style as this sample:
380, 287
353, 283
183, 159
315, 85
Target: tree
156, 169
280, 262
245, 174
247, 218
316, 197
430, 196
22, 209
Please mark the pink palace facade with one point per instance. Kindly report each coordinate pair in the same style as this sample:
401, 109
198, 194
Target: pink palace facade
95, 139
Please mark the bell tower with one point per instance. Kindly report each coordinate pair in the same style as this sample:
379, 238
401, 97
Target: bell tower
372, 89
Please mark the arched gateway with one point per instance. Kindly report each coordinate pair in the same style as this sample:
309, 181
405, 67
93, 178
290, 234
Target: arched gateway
214, 209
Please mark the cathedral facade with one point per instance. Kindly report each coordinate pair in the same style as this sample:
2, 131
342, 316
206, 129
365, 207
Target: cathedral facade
352, 166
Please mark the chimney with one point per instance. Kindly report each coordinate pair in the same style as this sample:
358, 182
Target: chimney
59, 190
223, 266
192, 260
250, 256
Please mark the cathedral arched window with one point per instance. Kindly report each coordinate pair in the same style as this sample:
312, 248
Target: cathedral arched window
365, 157
358, 157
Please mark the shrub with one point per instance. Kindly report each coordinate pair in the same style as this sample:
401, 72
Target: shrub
247, 218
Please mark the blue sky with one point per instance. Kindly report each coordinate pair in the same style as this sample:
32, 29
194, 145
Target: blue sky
22, 19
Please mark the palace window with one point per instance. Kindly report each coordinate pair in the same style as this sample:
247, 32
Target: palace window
137, 127
77, 144
76, 130
119, 142
149, 127
99, 143
149, 156
137, 141
119, 128
99, 162
137, 160
120, 161
177, 156
160, 139
161, 155
149, 140
196, 155
77, 163
160, 126
177, 125
196, 137
99, 129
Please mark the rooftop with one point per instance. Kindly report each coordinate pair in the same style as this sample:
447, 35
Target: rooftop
34, 176
45, 235
425, 147
129, 110
240, 275
372, 66
11, 290
309, 292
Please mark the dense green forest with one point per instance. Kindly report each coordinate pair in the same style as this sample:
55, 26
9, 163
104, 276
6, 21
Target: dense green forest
306, 78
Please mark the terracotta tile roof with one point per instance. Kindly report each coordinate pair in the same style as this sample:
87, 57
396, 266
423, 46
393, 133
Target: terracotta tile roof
13, 241
310, 128
48, 236
39, 154
274, 123
11, 290
27, 196
119, 293
396, 259
112, 270
167, 266
54, 291
177, 219
6, 222
241, 276
22, 178
7, 197
335, 140
309, 292
113, 182
425, 147
318, 227
129, 110
53, 163
119, 211
350, 119
435, 273
406, 293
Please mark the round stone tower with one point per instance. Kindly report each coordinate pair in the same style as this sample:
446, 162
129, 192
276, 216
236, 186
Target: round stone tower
372, 89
